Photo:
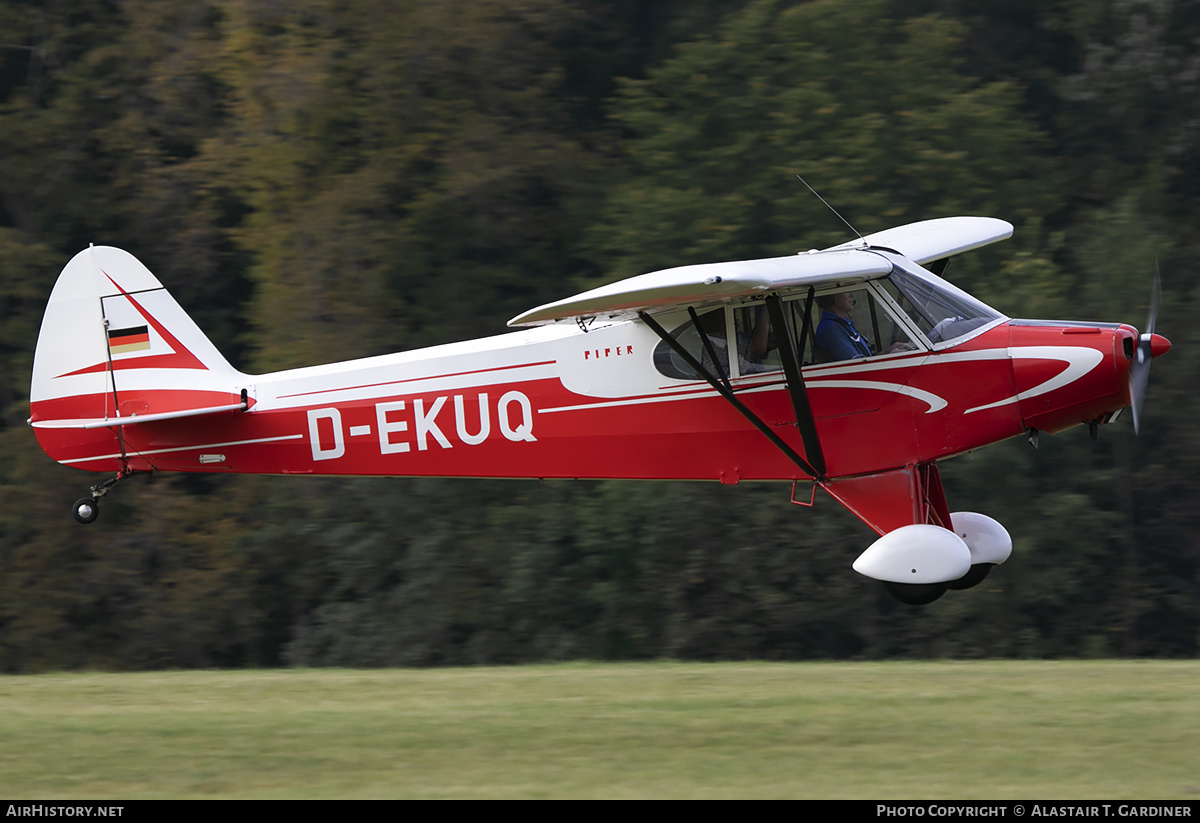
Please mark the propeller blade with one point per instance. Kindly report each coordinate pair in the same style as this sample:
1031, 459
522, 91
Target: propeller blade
1155, 299
1139, 373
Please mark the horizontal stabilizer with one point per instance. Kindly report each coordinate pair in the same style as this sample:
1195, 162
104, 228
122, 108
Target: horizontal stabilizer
106, 422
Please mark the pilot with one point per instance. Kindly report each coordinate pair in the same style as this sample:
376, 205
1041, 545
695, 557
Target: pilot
837, 338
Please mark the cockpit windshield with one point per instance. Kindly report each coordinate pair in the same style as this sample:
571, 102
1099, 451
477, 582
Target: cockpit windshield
940, 313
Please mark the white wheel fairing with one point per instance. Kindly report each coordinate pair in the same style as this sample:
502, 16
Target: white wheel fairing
919, 553
988, 541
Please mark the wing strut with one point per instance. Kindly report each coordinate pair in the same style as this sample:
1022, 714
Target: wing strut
795, 382
728, 394
709, 350
807, 334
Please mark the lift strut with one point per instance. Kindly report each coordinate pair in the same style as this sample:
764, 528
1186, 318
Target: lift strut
726, 392
805, 422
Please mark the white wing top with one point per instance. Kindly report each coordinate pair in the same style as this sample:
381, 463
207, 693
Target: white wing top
932, 240
709, 283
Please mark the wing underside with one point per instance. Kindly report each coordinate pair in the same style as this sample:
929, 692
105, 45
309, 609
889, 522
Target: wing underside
708, 283
713, 283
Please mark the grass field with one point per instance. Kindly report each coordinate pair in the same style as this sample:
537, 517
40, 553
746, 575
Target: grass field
992, 730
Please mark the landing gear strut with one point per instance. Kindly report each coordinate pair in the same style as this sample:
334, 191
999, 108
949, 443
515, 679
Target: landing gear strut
87, 509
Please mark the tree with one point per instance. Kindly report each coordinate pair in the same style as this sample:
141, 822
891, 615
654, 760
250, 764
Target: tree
875, 111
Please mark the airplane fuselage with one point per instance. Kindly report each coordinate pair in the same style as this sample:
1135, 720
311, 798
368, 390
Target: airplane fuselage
560, 402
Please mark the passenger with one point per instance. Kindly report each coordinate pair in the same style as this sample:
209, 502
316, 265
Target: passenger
753, 346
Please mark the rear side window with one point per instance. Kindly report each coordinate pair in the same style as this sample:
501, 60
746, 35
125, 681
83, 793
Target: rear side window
672, 365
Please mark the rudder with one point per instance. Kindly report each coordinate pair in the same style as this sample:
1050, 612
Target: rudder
114, 346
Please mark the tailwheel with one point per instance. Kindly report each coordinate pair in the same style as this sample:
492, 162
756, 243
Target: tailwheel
86, 509
915, 594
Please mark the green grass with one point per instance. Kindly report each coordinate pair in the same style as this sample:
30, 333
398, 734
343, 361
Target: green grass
995, 730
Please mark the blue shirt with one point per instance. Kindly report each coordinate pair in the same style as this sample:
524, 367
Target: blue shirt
837, 337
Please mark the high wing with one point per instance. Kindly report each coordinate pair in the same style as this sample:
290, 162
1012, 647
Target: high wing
931, 240
710, 283
707, 283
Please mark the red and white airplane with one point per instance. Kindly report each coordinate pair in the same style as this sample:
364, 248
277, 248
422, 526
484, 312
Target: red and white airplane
855, 368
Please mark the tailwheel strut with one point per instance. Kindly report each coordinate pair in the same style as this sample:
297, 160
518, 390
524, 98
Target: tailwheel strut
87, 509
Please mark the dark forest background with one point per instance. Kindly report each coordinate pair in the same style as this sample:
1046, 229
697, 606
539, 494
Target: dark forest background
316, 180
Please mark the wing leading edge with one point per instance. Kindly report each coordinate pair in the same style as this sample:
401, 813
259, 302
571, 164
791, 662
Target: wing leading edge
707, 283
710, 283
931, 240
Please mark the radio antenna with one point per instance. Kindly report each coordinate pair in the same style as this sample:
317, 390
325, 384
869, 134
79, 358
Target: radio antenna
832, 209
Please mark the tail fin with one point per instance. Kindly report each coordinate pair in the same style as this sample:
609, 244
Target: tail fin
116, 349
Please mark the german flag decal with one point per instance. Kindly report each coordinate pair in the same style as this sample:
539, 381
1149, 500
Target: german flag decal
124, 341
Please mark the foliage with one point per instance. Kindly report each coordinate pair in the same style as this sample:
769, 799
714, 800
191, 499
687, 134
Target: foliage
717, 133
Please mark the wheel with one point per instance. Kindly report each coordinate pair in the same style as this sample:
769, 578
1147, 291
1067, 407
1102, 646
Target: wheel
915, 594
86, 509
972, 578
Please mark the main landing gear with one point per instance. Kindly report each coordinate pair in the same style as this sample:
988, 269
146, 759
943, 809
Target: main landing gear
922, 594
87, 509
919, 563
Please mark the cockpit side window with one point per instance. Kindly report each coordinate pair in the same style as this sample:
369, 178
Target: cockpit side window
756, 348
855, 324
842, 325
